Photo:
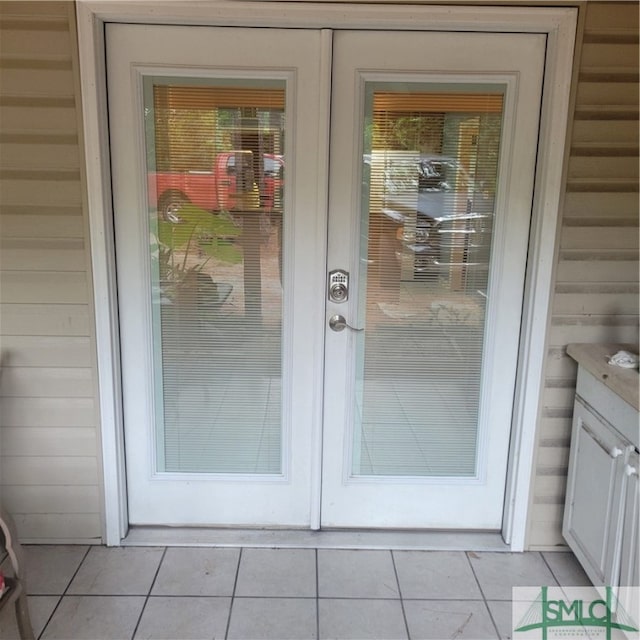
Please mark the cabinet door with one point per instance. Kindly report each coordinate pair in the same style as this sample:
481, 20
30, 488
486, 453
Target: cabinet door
629, 559
593, 510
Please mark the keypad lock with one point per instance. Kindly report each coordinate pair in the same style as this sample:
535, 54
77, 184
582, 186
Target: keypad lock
338, 286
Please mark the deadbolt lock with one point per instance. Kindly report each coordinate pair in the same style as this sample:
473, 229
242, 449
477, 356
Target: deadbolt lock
338, 286
338, 293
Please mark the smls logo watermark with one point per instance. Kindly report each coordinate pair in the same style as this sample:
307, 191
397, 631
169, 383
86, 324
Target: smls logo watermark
589, 613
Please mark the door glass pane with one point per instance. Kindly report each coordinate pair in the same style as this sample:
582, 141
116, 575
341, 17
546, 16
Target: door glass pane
429, 182
215, 169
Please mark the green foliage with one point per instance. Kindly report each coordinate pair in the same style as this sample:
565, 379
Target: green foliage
422, 132
416, 132
186, 139
185, 247
195, 225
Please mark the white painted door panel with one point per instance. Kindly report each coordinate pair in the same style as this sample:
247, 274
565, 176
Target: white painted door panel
387, 461
224, 437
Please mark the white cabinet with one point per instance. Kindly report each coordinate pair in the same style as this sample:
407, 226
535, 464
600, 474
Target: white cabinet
629, 561
595, 491
601, 509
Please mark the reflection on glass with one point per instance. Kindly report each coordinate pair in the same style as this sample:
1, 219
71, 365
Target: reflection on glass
215, 169
430, 171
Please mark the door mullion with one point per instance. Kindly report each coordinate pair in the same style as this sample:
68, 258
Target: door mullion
324, 126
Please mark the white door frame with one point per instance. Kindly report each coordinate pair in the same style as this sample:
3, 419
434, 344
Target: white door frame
559, 24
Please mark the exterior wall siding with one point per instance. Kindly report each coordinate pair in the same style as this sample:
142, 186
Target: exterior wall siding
596, 288
49, 465
50, 475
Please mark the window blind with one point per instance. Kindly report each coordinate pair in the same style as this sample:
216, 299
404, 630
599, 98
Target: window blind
429, 183
215, 173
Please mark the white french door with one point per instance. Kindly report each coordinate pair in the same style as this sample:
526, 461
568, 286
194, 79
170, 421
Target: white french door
234, 414
433, 149
219, 313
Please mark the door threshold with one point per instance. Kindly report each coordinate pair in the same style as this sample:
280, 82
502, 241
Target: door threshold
307, 539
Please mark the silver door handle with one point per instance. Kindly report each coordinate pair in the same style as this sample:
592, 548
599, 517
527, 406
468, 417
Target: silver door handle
338, 323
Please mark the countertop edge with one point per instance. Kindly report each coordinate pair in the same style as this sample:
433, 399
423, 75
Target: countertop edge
595, 359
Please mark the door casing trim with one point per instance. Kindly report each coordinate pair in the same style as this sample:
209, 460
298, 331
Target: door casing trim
559, 25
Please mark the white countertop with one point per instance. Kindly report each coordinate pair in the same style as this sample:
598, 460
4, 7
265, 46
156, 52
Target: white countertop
595, 359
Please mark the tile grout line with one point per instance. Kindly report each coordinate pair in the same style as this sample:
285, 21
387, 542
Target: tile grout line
146, 600
555, 577
317, 599
495, 624
233, 593
553, 573
177, 596
404, 614
64, 593
484, 598
544, 560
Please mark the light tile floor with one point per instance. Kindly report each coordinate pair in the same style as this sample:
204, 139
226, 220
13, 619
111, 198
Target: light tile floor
184, 593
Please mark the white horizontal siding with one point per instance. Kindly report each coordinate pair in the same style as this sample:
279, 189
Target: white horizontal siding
622, 93
552, 485
47, 412
603, 238
30, 154
14, 10
40, 320
49, 444
49, 470
558, 429
558, 392
597, 301
42, 254
48, 382
624, 269
41, 191
48, 441
44, 287
609, 132
560, 365
596, 289
33, 222
545, 520
45, 351
55, 527
50, 82
611, 17
603, 205
36, 114
555, 457
58, 499
604, 55
33, 42
599, 168
593, 328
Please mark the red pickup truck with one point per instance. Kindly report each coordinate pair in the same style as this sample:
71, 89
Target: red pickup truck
221, 189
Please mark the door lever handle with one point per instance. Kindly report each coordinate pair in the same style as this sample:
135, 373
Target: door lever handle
338, 323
